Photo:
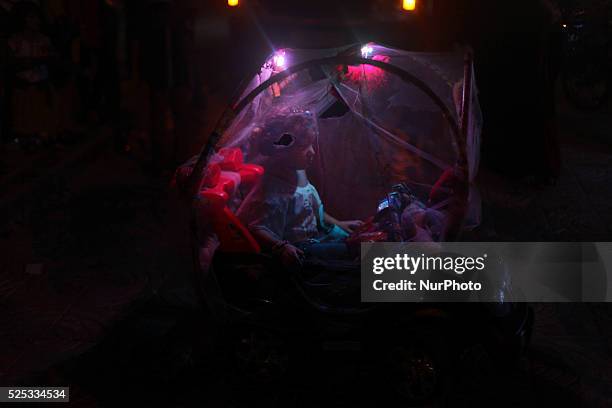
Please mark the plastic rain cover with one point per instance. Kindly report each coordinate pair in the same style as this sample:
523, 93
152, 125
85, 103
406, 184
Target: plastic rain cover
384, 116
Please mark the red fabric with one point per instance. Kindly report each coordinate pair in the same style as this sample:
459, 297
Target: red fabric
233, 236
444, 187
217, 191
233, 161
218, 186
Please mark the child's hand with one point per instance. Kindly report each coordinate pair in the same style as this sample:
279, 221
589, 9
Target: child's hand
350, 226
291, 256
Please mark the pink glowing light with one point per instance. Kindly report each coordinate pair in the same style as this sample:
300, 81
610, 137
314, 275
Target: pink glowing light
373, 76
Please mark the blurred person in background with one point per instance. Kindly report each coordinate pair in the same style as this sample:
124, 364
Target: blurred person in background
33, 104
5, 21
66, 38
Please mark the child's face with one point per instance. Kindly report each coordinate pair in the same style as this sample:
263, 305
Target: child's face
304, 157
291, 141
304, 154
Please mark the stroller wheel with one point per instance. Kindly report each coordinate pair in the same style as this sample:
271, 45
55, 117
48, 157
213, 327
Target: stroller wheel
415, 373
261, 355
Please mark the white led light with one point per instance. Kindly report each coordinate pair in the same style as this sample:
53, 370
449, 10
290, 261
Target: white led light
279, 60
366, 51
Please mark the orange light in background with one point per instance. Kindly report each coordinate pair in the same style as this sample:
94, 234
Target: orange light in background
409, 5
233, 3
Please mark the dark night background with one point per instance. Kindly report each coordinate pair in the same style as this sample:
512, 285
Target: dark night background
95, 258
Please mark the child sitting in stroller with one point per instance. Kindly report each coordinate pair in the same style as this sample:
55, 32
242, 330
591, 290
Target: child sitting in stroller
284, 211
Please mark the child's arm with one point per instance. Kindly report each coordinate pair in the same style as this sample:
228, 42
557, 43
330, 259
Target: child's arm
289, 254
347, 226
266, 239
266, 217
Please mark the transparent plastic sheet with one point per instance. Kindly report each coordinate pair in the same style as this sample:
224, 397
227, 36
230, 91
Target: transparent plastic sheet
387, 130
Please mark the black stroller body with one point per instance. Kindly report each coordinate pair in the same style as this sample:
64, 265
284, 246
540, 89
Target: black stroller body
386, 117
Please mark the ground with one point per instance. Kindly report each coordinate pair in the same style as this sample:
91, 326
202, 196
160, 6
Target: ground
95, 287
